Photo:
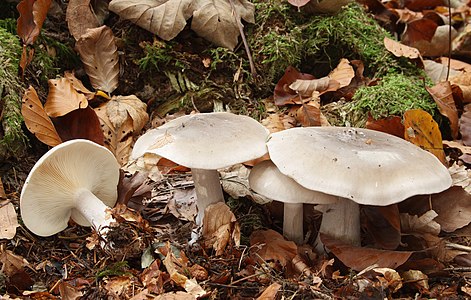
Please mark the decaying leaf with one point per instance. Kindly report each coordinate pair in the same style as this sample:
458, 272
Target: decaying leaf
235, 182
305, 88
270, 292
465, 125
121, 118
392, 125
69, 292
273, 246
283, 94
422, 130
219, 227
424, 223
78, 85
182, 204
443, 96
383, 224
400, 50
8, 221
343, 73
277, 122
80, 17
359, 258
32, 16
392, 278
416, 278
453, 207
99, 54
63, 98
36, 119
216, 21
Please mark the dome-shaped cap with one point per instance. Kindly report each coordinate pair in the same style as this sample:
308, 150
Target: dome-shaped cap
206, 141
267, 180
366, 166
48, 197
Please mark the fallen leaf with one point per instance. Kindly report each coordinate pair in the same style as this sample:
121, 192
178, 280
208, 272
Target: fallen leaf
270, 292
78, 85
400, 50
32, 16
438, 71
392, 125
283, 94
120, 108
182, 204
439, 44
80, 17
423, 131
417, 279
216, 21
117, 285
358, 258
277, 122
69, 292
63, 98
423, 224
309, 114
12, 263
80, 124
36, 119
273, 246
99, 54
219, 227
443, 96
298, 3
305, 88
465, 125
418, 30
392, 278
8, 221
461, 176
343, 73
453, 207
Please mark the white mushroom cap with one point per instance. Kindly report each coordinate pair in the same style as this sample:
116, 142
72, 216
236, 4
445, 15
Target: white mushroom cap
366, 166
206, 141
267, 180
51, 188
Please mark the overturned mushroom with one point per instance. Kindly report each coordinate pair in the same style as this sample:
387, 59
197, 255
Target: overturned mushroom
359, 165
267, 180
206, 142
76, 179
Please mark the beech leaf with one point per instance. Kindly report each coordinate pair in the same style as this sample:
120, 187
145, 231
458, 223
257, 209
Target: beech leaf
422, 130
36, 119
63, 98
32, 16
215, 21
8, 221
443, 96
99, 54
219, 226
358, 258
80, 123
80, 17
400, 50
343, 73
273, 246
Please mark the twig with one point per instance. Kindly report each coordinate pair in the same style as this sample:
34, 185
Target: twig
246, 45
458, 247
458, 269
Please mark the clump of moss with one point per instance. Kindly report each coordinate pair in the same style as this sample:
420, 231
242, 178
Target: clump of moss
14, 141
393, 95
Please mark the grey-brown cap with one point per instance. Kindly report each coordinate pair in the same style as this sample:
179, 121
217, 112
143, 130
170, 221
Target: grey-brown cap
366, 166
267, 180
48, 197
206, 140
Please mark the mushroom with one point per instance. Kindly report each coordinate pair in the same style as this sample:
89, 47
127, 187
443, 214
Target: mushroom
206, 142
267, 180
361, 166
76, 179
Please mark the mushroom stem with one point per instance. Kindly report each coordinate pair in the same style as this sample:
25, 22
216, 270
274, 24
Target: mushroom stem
340, 220
94, 210
208, 190
293, 222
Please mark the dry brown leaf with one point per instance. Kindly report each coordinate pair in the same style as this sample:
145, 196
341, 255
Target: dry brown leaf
36, 119
120, 108
461, 175
273, 246
392, 125
8, 221
465, 125
118, 140
423, 131
117, 285
416, 278
463, 80
277, 122
63, 98
81, 123
343, 73
99, 54
438, 71
12, 263
439, 44
270, 292
80, 17
423, 224
69, 292
122, 117
358, 258
215, 21
453, 207
455, 64
443, 96
305, 88
282, 94
182, 204
32, 16
393, 279
400, 50
78, 85
219, 226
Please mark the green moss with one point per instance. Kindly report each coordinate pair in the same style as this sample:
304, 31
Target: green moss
393, 95
156, 55
13, 140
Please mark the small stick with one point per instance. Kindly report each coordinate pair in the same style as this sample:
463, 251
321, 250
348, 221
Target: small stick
458, 247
